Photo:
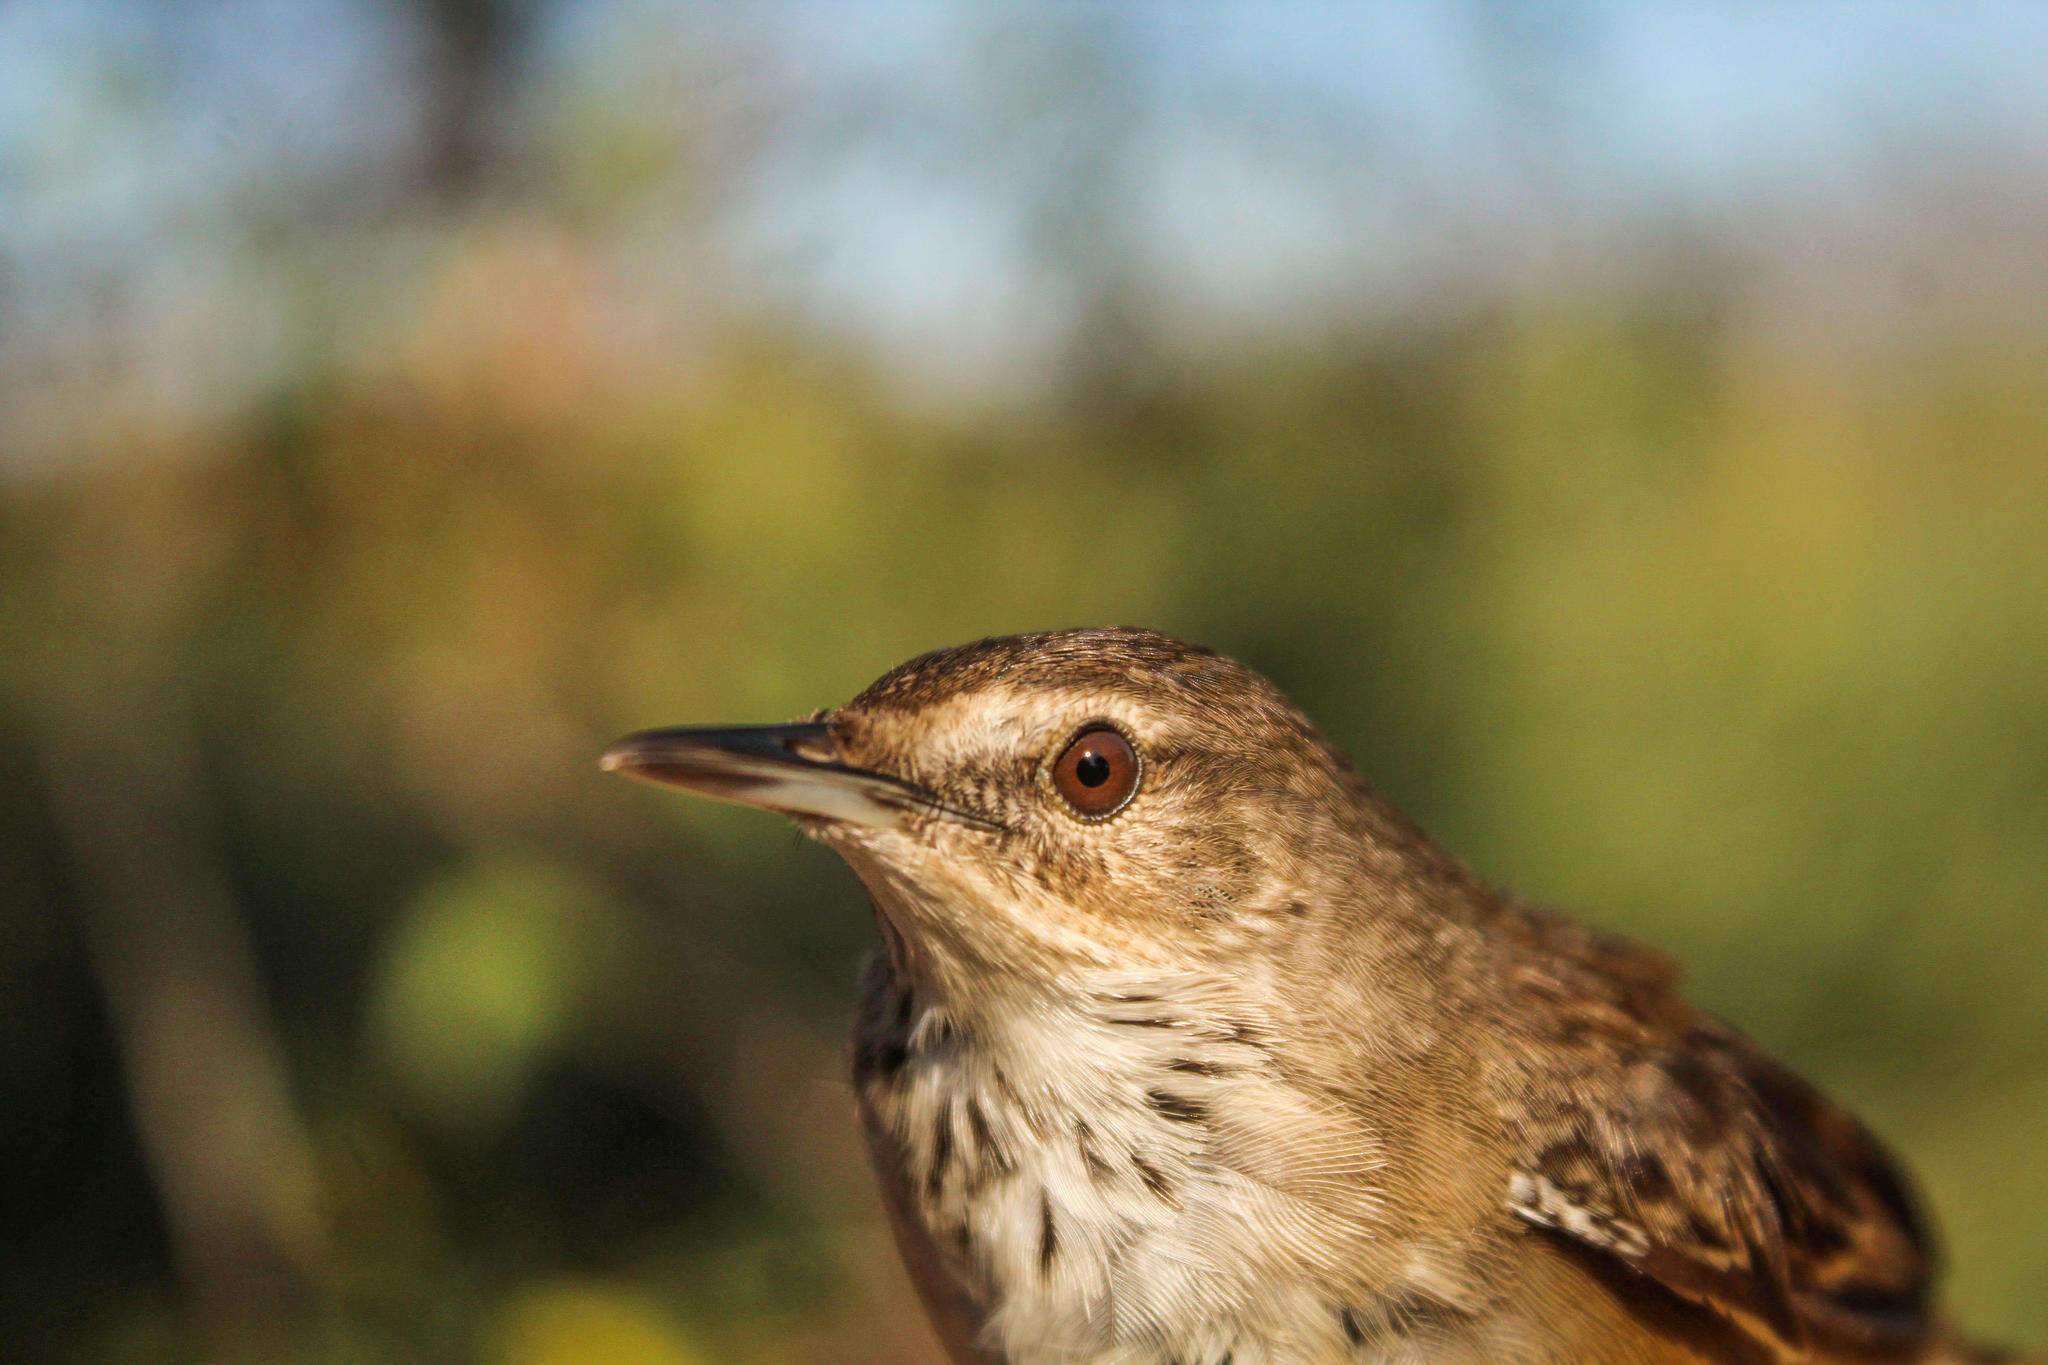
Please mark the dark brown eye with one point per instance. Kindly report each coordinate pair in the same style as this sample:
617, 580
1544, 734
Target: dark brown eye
1097, 773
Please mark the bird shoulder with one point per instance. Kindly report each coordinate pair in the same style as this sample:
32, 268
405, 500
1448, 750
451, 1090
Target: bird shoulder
1650, 1133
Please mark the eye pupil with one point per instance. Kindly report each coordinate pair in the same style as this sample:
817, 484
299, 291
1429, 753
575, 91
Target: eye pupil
1097, 773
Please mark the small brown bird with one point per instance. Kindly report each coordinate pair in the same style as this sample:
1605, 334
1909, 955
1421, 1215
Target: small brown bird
1182, 1047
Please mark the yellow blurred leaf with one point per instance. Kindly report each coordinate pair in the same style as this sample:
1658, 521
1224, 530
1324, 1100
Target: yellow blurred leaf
579, 1322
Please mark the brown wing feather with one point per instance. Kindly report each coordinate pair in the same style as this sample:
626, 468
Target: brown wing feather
1659, 1136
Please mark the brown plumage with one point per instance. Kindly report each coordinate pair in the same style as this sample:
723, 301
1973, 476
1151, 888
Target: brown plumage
1182, 1047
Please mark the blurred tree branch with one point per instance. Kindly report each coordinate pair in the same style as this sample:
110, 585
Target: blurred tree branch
204, 1075
470, 45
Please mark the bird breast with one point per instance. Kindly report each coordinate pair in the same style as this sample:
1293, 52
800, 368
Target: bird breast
1124, 1176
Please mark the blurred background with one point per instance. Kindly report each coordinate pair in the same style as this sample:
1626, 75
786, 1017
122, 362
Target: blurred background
1624, 428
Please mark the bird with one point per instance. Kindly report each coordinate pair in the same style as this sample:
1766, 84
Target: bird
1181, 1047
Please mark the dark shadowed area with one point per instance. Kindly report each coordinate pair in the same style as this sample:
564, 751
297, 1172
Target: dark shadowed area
1624, 431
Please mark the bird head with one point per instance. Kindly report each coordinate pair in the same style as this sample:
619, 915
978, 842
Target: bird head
1035, 804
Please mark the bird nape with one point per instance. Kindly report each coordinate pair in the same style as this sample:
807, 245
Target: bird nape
1183, 1047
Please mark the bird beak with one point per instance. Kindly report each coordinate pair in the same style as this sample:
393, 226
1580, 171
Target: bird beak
794, 769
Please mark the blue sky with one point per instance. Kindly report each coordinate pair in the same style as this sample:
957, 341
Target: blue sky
953, 180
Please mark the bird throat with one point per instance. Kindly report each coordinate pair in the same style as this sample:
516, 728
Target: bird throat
1110, 1163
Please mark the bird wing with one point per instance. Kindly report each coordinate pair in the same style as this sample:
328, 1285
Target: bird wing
1655, 1135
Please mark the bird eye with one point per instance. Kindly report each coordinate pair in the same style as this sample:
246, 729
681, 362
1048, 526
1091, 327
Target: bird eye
1096, 773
